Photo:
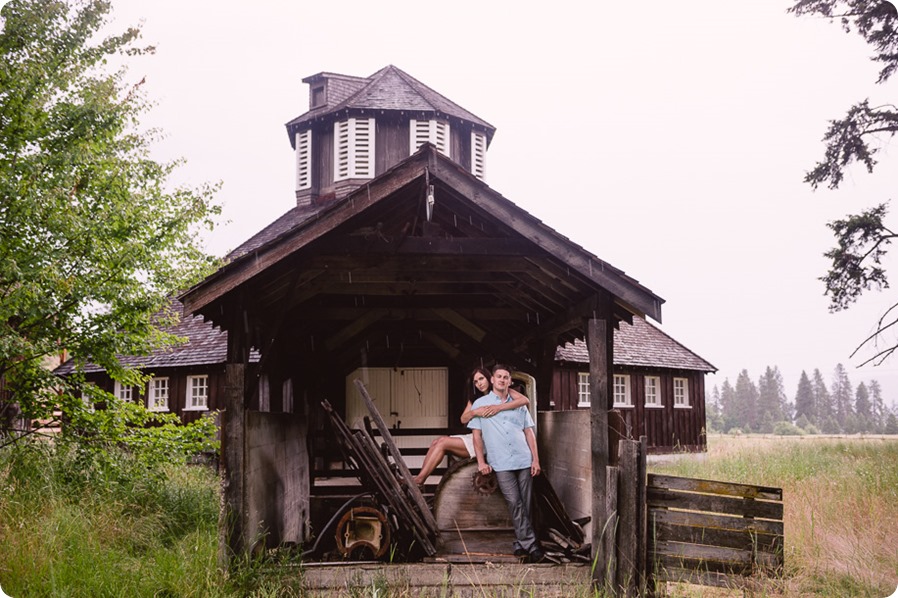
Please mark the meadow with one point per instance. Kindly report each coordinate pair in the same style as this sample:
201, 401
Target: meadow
73, 527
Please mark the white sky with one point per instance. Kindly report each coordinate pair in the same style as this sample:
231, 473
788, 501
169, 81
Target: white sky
668, 138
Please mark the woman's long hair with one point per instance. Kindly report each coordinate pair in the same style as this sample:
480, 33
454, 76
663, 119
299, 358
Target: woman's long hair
472, 390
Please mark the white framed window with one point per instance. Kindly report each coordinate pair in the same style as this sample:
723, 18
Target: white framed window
354, 149
478, 155
303, 159
157, 397
197, 393
124, 392
681, 392
653, 391
622, 397
583, 398
434, 131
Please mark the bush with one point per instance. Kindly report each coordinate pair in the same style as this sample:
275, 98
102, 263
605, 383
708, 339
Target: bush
784, 428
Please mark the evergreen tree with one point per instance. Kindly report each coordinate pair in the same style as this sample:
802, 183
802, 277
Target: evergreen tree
728, 409
842, 398
863, 408
823, 402
891, 426
747, 414
771, 400
877, 407
713, 415
804, 400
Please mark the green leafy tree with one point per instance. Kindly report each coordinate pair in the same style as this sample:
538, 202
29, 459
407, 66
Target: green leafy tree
93, 238
804, 400
862, 239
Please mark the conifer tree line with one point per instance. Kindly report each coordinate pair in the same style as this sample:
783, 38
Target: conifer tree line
762, 406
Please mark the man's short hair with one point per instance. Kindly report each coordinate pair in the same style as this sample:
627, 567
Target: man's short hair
502, 366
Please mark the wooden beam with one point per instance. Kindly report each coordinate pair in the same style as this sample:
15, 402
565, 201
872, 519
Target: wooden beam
597, 332
368, 318
462, 323
232, 524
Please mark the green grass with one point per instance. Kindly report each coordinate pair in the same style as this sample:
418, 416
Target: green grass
74, 526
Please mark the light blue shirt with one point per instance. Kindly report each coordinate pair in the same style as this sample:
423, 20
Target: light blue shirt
503, 435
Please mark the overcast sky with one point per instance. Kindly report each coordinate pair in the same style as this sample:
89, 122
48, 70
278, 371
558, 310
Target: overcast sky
668, 138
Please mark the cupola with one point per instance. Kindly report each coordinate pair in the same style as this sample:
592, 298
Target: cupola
358, 127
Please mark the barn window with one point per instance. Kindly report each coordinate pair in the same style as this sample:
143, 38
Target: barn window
317, 96
653, 391
622, 396
583, 399
478, 155
303, 159
124, 392
197, 393
681, 392
157, 398
354, 149
433, 131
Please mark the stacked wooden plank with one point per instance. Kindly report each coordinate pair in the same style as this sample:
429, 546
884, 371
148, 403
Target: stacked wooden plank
713, 533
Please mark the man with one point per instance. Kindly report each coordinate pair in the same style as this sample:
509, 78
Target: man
506, 443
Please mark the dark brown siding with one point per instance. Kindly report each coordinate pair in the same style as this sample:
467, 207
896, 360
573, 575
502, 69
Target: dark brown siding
667, 428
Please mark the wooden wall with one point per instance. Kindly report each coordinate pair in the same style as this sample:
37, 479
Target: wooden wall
667, 428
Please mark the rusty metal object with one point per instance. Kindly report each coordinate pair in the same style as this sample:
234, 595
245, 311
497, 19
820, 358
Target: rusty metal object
363, 534
485, 484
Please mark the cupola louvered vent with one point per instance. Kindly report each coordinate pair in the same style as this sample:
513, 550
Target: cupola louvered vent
354, 149
303, 159
433, 131
478, 155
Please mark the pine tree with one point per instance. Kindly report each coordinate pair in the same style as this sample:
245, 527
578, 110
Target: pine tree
843, 399
804, 399
823, 402
771, 399
728, 410
877, 407
863, 408
747, 414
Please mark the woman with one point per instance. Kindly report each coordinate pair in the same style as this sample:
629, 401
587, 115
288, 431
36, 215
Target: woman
462, 445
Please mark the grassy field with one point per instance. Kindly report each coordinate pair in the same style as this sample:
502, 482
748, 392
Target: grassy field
841, 507
71, 528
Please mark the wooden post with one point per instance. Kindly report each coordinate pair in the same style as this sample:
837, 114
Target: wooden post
597, 332
612, 478
627, 546
641, 514
232, 522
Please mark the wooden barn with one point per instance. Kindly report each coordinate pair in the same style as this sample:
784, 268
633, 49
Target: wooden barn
400, 268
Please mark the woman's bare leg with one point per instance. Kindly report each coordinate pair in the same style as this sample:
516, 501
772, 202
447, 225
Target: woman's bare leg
438, 449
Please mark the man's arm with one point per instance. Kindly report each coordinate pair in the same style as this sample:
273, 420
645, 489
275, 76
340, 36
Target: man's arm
531, 442
482, 466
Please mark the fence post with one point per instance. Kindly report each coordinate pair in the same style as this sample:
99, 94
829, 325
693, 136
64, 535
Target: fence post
609, 536
627, 569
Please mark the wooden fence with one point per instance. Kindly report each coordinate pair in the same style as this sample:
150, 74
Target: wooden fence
712, 533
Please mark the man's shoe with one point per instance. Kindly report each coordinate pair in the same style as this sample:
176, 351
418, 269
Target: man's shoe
536, 556
521, 553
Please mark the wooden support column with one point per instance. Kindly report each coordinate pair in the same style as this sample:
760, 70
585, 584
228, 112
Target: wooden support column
232, 522
597, 334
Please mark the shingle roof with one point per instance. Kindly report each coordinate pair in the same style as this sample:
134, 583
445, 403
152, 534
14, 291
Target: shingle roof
206, 345
391, 88
640, 344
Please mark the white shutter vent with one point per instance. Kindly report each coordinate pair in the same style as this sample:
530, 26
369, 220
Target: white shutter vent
478, 155
354, 149
303, 159
436, 132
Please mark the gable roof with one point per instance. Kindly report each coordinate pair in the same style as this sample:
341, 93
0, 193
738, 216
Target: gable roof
640, 344
389, 88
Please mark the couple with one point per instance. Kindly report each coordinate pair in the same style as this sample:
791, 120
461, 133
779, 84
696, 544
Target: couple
502, 429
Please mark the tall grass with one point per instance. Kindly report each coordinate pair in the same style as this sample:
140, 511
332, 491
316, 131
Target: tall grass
79, 525
841, 506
